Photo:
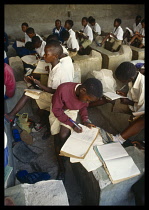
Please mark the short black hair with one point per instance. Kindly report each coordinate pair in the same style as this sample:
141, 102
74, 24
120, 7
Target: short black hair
89, 18
55, 47
58, 21
65, 34
138, 17
125, 71
30, 31
51, 37
29, 46
24, 24
118, 20
85, 18
143, 21
35, 39
93, 87
70, 22
92, 20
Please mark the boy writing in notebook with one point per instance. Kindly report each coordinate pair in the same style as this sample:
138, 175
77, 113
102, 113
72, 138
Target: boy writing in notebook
116, 36
69, 100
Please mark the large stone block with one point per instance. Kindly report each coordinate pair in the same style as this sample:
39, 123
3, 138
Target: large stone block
17, 65
88, 63
77, 73
111, 60
11, 102
138, 53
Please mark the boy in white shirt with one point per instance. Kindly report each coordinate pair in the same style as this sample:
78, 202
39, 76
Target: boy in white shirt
129, 33
31, 32
116, 36
24, 27
39, 46
70, 42
139, 36
95, 27
86, 37
68, 25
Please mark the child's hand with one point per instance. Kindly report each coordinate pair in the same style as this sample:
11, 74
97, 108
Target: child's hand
121, 93
77, 129
47, 68
89, 125
37, 82
126, 101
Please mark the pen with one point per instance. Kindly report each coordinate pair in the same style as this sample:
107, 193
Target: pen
75, 124
122, 87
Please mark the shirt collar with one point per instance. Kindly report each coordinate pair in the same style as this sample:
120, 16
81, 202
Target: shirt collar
136, 84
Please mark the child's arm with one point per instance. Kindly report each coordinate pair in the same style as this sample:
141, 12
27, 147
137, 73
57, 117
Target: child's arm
37, 82
84, 116
72, 50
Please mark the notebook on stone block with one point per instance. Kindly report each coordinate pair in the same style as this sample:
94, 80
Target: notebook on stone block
116, 161
112, 96
30, 59
33, 93
40, 68
20, 44
78, 144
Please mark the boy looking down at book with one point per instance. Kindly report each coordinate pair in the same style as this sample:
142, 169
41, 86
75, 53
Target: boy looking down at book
39, 46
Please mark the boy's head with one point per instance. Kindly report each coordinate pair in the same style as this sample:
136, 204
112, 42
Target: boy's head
51, 37
84, 21
58, 24
138, 19
92, 21
29, 46
117, 22
30, 32
143, 23
36, 41
65, 35
89, 19
24, 27
53, 50
91, 90
126, 72
68, 24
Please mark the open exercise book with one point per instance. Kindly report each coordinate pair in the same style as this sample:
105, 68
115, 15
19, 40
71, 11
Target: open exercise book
112, 96
20, 44
30, 59
116, 161
33, 93
40, 68
78, 144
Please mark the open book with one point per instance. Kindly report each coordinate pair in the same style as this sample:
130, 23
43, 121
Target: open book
40, 68
20, 44
30, 59
116, 161
112, 96
33, 93
78, 144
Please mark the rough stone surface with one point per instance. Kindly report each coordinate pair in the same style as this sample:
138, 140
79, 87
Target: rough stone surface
137, 53
44, 16
17, 65
88, 63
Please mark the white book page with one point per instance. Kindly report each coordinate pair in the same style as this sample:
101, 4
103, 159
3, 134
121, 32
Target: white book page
20, 44
111, 151
122, 168
30, 59
138, 113
112, 95
36, 91
91, 165
41, 67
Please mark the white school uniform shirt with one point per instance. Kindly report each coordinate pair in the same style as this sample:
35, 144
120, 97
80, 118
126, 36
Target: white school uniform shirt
96, 28
72, 33
65, 51
39, 37
142, 32
88, 31
118, 32
27, 38
72, 43
137, 28
136, 93
40, 50
61, 73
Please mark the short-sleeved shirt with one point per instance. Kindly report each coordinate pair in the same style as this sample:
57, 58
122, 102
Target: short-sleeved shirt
27, 38
9, 80
136, 93
58, 32
142, 32
136, 27
72, 33
72, 43
118, 32
39, 37
96, 28
88, 31
40, 50
65, 98
62, 72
